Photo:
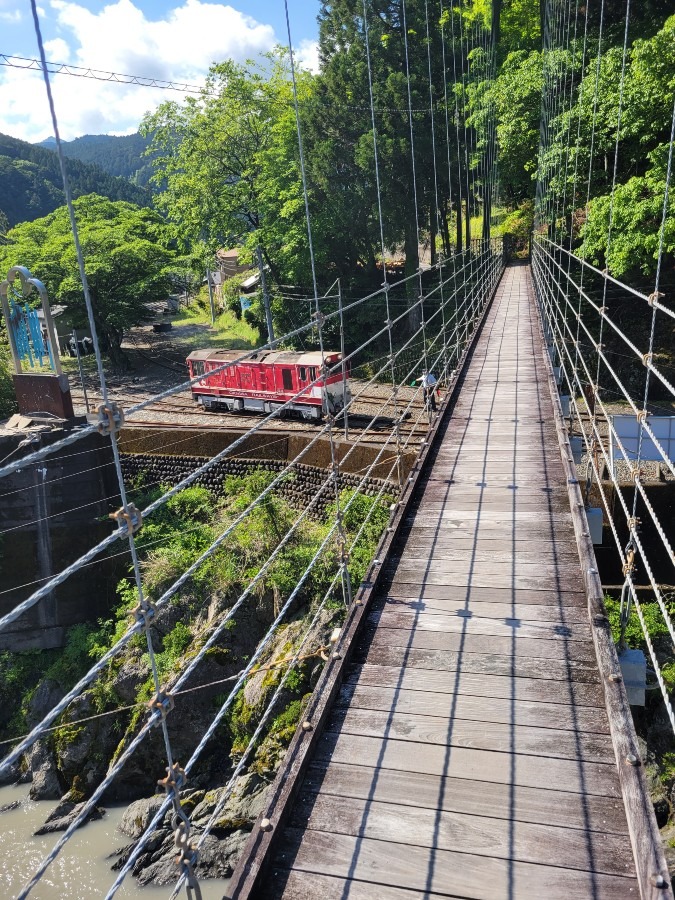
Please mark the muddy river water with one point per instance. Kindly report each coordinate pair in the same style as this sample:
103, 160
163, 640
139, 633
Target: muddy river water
82, 871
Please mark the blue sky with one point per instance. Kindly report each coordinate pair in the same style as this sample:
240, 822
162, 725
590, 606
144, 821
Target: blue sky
173, 41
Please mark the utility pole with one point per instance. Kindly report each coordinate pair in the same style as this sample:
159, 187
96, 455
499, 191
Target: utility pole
79, 365
266, 296
210, 287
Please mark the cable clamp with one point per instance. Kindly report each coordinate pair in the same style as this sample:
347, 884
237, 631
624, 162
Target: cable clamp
175, 780
654, 298
636, 473
388, 323
163, 702
629, 566
386, 286
144, 613
186, 857
319, 318
633, 523
647, 359
602, 310
108, 418
130, 516
641, 415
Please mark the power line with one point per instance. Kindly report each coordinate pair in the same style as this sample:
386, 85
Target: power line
54, 68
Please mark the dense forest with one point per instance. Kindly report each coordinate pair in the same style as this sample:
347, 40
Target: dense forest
229, 167
31, 186
120, 155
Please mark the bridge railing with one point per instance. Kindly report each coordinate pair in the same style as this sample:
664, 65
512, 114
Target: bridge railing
619, 400
422, 322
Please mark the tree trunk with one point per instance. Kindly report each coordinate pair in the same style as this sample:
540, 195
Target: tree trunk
276, 276
467, 222
445, 229
487, 209
432, 237
412, 262
118, 358
458, 208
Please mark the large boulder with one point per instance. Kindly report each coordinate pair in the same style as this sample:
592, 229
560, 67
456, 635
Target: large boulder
45, 783
65, 814
139, 814
47, 694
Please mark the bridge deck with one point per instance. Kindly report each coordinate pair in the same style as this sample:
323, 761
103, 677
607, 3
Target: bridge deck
468, 754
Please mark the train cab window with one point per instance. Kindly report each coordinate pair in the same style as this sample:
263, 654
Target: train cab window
197, 367
287, 379
312, 373
303, 373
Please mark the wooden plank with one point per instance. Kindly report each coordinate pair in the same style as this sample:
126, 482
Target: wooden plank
556, 598
292, 885
483, 527
550, 743
459, 681
442, 872
483, 579
461, 795
469, 562
462, 833
454, 547
572, 776
484, 644
465, 622
526, 612
560, 716
485, 538
508, 502
466, 514
380, 653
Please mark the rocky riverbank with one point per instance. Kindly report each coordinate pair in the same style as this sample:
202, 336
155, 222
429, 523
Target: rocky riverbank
68, 763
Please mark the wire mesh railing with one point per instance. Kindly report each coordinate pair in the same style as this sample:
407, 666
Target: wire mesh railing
615, 412
437, 323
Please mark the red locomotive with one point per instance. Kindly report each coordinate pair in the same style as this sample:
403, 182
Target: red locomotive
267, 380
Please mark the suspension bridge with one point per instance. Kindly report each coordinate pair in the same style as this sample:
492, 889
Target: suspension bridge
470, 734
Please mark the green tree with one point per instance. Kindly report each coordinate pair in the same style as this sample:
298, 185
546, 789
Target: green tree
637, 216
127, 252
227, 162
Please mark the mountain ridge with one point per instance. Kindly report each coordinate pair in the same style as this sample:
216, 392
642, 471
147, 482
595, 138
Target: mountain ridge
31, 186
119, 155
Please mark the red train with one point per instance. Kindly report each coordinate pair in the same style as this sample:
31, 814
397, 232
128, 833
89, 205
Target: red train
267, 380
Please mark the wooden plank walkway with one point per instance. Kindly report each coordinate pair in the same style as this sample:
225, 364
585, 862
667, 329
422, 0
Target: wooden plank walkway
468, 752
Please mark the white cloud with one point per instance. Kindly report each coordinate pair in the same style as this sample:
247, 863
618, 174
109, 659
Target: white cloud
13, 16
119, 38
57, 50
307, 55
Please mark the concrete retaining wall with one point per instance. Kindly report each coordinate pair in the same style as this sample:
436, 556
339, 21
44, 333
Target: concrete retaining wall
268, 445
50, 514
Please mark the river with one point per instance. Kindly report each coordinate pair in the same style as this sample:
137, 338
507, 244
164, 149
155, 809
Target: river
82, 871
